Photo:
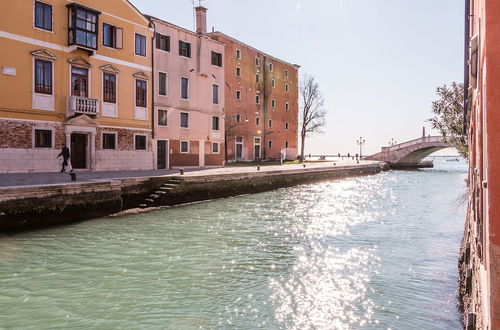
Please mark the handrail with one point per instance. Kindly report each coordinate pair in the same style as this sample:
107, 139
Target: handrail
415, 141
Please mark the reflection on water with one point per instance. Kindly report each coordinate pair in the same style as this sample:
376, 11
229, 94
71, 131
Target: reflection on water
374, 252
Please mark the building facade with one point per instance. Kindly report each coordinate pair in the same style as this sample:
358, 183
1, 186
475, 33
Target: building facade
261, 103
188, 95
75, 73
480, 255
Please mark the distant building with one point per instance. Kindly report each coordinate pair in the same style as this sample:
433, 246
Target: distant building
188, 95
261, 103
75, 72
480, 275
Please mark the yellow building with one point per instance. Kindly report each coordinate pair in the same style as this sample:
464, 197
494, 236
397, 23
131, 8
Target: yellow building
75, 73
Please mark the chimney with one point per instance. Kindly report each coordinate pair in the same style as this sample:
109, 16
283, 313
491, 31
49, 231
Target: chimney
201, 20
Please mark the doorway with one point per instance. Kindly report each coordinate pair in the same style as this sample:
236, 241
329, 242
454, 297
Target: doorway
239, 148
79, 150
162, 149
256, 145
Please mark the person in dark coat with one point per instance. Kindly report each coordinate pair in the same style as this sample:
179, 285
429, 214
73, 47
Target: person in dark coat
65, 155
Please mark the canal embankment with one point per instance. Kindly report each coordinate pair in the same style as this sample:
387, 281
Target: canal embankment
26, 206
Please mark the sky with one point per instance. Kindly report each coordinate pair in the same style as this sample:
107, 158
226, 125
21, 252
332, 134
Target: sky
378, 62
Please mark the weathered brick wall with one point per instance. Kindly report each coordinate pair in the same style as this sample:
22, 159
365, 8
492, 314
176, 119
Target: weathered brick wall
181, 159
125, 137
214, 159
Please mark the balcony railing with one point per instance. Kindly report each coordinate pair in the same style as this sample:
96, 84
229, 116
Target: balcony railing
83, 105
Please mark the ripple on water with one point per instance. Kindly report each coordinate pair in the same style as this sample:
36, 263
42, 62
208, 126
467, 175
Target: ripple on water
370, 252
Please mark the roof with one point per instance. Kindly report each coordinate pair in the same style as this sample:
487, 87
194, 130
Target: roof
152, 18
253, 48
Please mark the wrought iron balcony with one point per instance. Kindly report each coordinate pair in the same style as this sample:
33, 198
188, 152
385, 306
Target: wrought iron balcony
83, 105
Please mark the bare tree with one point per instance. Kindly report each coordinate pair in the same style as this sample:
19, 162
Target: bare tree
230, 131
312, 112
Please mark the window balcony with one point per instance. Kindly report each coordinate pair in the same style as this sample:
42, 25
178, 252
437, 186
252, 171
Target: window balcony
78, 105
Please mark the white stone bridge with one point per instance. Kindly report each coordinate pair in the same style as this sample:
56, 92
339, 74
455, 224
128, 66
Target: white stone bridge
410, 154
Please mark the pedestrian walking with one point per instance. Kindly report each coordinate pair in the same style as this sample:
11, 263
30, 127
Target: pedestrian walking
65, 155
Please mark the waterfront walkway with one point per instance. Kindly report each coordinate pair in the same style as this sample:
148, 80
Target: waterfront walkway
52, 178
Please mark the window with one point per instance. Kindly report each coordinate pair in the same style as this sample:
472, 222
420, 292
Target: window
43, 138
257, 78
184, 49
109, 86
79, 81
273, 83
270, 123
162, 83
184, 147
108, 35
162, 118
273, 103
287, 107
257, 99
43, 16
238, 72
215, 123
238, 95
83, 26
270, 144
109, 140
286, 88
271, 67
43, 77
257, 61
215, 147
141, 93
140, 142
238, 54
238, 118
184, 88
140, 45
216, 59
215, 94
184, 120
257, 121
286, 73
286, 126
286, 144
162, 42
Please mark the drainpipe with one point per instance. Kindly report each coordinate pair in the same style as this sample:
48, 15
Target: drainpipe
153, 133
466, 63
264, 110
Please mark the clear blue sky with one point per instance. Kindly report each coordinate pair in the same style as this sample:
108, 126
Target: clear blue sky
378, 62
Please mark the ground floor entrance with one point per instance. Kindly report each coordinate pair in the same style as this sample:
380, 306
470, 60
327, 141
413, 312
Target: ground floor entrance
162, 150
79, 143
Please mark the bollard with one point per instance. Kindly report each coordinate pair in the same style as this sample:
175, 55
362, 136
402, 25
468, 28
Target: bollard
181, 171
258, 168
73, 176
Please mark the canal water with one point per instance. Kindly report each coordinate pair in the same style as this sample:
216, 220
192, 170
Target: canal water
373, 252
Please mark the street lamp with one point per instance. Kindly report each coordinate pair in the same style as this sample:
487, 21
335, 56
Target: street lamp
360, 143
392, 142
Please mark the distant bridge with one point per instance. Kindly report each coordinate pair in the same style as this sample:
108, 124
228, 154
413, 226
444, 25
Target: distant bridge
410, 154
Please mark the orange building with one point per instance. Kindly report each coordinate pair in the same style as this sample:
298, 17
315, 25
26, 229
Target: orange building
261, 103
480, 266
79, 73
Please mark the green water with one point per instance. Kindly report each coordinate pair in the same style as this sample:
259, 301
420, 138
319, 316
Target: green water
374, 252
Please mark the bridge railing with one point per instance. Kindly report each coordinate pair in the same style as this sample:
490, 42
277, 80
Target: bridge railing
416, 141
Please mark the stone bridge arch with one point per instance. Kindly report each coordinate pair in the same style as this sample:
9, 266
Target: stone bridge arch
411, 153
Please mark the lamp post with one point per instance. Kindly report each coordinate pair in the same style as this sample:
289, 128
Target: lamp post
360, 143
392, 142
